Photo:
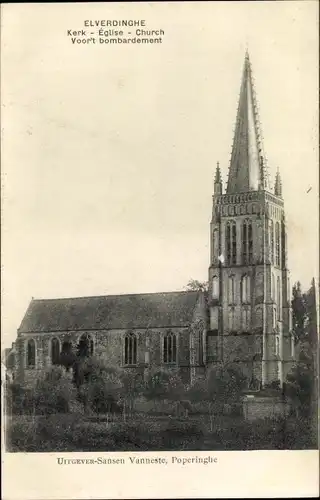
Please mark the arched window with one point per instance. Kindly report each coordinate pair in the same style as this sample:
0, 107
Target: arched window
31, 354
259, 317
277, 244
231, 242
55, 351
250, 244
277, 346
231, 320
247, 242
67, 355
66, 347
170, 348
273, 287
234, 244
259, 285
147, 351
245, 289
211, 346
231, 290
278, 297
258, 346
271, 242
215, 244
85, 346
245, 319
274, 321
215, 287
130, 349
228, 243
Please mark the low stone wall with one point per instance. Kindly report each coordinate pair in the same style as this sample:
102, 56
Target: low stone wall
255, 407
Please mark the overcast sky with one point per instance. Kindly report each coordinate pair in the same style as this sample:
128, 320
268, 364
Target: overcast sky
109, 151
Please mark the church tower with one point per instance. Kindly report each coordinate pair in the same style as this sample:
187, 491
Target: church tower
249, 290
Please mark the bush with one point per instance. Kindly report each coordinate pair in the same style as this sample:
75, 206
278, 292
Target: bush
54, 392
99, 385
18, 399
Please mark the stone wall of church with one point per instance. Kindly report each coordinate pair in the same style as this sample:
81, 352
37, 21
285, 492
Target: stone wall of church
245, 352
110, 345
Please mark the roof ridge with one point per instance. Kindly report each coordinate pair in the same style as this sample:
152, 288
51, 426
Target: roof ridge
115, 295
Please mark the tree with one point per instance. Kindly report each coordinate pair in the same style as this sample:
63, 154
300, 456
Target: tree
223, 385
299, 312
163, 385
133, 386
17, 398
311, 324
53, 392
99, 385
195, 285
299, 382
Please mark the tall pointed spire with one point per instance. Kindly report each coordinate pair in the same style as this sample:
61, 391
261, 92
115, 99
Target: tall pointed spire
218, 173
247, 170
218, 181
278, 185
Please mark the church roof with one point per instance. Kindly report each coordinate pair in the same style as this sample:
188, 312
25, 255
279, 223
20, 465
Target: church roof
148, 310
247, 170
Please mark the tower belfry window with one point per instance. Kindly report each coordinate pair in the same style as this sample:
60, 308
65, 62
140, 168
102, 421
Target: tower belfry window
279, 297
234, 245
277, 244
250, 243
231, 243
215, 244
247, 242
228, 243
271, 242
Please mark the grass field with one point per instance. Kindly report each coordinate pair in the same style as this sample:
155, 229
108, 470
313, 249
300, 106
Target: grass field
143, 432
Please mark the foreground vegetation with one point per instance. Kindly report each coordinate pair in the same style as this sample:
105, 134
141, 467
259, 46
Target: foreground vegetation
96, 408
87, 405
153, 433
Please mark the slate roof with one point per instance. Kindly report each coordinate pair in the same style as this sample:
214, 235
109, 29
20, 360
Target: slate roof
110, 312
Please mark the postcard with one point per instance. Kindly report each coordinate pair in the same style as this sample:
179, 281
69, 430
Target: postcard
160, 280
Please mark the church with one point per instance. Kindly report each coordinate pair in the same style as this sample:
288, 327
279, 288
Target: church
244, 317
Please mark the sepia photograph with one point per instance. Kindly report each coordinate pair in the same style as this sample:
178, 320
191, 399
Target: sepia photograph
160, 216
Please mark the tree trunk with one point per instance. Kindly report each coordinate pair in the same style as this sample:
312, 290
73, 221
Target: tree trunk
211, 416
124, 410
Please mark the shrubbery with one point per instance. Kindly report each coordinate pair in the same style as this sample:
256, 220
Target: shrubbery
69, 433
61, 413
52, 393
